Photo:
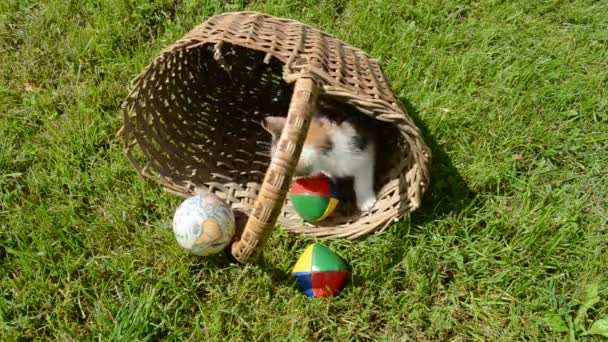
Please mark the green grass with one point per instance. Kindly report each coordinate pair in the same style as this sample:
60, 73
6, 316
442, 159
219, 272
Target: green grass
513, 235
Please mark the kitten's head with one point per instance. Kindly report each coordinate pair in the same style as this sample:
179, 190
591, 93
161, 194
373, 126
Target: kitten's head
317, 141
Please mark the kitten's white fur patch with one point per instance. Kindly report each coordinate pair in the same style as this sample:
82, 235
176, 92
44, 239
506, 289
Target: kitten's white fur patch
343, 161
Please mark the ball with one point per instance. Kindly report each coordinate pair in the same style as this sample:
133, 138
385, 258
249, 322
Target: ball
320, 272
313, 198
203, 224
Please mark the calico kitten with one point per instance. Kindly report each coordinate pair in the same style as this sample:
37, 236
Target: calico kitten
337, 145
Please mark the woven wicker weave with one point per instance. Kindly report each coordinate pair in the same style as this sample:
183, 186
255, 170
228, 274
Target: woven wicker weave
192, 121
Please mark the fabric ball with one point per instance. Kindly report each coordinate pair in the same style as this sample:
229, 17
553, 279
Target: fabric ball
314, 198
320, 272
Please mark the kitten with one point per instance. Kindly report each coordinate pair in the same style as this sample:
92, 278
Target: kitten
337, 146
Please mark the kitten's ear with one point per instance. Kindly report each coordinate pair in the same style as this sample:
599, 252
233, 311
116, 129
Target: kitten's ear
274, 124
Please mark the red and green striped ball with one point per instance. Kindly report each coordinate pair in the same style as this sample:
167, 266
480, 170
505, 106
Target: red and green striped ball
314, 198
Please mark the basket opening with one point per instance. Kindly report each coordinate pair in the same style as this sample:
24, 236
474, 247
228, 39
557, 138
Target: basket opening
389, 149
205, 123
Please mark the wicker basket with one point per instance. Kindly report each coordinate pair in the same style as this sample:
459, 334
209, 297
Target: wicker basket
192, 121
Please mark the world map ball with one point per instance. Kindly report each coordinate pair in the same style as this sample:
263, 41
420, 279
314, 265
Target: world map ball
203, 224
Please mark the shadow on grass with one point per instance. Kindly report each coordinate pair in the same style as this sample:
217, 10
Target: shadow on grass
448, 193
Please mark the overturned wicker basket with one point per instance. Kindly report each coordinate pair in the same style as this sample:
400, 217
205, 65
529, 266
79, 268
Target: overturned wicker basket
192, 121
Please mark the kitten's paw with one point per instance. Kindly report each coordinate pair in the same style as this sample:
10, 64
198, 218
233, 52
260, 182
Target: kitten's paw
367, 203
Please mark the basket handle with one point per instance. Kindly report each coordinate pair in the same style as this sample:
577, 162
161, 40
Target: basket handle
270, 199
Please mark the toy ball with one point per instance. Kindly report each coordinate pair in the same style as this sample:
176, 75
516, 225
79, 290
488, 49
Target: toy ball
203, 224
319, 271
314, 198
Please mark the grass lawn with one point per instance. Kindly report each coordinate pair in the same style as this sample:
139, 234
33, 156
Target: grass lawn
511, 243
